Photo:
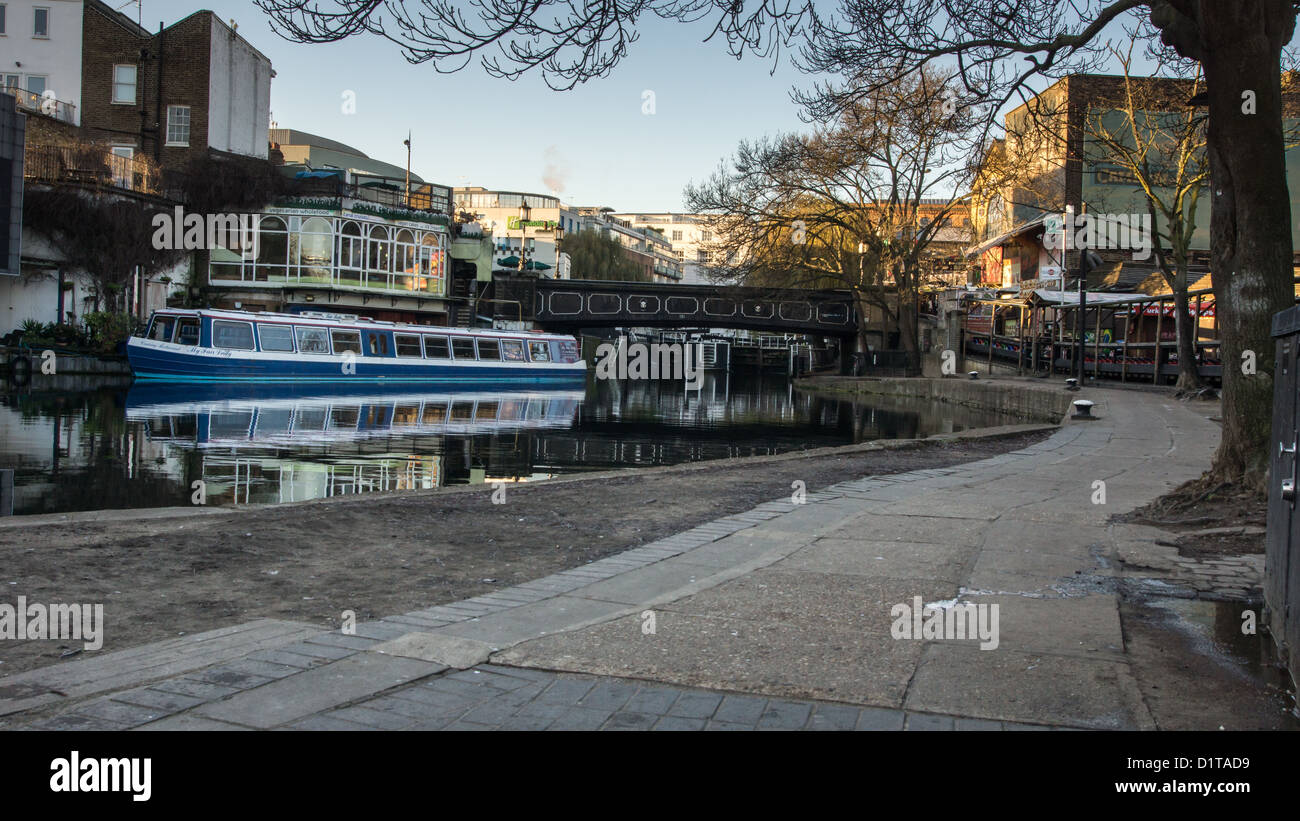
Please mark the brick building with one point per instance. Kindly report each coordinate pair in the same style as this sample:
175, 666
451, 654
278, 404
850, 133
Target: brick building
174, 94
1051, 160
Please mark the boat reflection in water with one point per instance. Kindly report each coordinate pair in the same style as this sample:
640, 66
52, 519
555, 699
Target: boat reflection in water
274, 443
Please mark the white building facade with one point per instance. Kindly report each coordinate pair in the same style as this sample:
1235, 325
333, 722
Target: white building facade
40, 55
689, 240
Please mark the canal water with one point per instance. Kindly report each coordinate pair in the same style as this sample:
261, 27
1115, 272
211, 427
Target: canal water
158, 446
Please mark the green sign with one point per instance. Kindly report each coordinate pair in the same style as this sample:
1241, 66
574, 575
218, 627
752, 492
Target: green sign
514, 223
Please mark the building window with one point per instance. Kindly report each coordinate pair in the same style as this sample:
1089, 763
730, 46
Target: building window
2, 18
702, 257
122, 163
40, 22
36, 83
706, 236
124, 84
178, 122
314, 247
677, 236
14, 81
272, 250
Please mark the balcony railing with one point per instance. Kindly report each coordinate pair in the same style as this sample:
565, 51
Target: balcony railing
386, 195
397, 283
41, 104
90, 165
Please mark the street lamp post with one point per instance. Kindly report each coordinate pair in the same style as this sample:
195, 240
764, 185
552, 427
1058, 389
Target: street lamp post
407, 143
524, 213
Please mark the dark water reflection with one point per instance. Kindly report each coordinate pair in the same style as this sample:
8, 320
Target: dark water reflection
151, 446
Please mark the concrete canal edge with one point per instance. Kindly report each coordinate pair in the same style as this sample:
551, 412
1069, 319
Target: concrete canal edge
28, 362
1025, 400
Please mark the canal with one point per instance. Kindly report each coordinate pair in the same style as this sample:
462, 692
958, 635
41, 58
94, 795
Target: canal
167, 445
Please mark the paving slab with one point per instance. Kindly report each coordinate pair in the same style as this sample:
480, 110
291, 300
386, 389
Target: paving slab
883, 560
1034, 688
88, 675
445, 650
313, 691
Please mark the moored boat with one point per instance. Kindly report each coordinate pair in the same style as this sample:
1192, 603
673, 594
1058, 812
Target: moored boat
239, 346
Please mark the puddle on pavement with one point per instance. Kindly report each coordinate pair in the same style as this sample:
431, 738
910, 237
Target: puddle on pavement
1215, 630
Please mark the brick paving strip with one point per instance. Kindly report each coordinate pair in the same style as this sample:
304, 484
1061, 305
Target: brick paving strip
568, 652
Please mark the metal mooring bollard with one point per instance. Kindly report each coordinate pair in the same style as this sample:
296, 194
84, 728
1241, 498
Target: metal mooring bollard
1083, 411
974, 374
1072, 384
6, 492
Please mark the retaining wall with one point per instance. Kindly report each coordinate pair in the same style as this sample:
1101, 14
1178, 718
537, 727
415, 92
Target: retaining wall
1025, 401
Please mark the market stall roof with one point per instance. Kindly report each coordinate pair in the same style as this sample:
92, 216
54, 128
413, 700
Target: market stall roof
1003, 237
1055, 297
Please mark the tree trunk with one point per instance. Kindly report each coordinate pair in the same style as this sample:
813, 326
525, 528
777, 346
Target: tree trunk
908, 330
1189, 376
1250, 216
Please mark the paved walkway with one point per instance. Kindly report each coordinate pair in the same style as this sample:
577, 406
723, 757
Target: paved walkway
775, 618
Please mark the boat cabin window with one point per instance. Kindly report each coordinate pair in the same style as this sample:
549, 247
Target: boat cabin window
407, 345
434, 413
345, 417
489, 349
346, 341
512, 350
187, 331
435, 347
312, 340
462, 411
463, 346
540, 351
378, 344
275, 337
236, 336
162, 328
568, 350
312, 419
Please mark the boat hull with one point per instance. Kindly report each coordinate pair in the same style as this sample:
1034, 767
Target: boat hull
166, 361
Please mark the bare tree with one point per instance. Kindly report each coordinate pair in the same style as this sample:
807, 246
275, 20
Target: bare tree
853, 205
569, 43
997, 48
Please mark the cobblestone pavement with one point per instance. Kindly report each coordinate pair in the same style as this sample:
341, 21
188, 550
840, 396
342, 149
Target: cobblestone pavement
490, 697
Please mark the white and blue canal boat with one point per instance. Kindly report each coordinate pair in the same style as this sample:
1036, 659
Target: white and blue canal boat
238, 346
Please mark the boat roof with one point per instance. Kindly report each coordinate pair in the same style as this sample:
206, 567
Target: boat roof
335, 319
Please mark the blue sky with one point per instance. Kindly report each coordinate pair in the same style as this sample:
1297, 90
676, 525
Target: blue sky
591, 146
471, 129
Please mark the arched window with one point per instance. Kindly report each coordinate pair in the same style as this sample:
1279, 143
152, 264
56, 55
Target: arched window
315, 244
433, 262
404, 259
229, 259
272, 250
379, 262
351, 253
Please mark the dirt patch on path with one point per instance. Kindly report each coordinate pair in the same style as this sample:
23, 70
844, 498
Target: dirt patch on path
382, 555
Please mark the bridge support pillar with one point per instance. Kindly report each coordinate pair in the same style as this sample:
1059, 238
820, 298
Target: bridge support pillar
850, 346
